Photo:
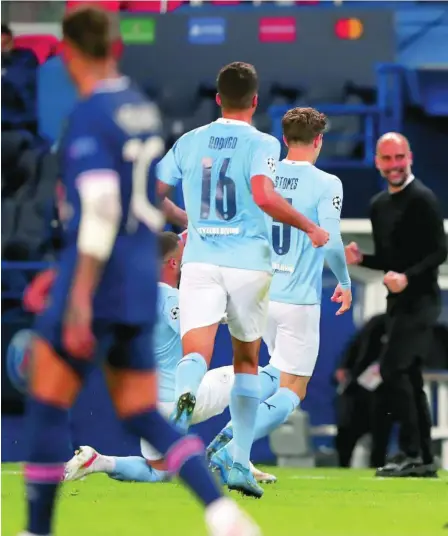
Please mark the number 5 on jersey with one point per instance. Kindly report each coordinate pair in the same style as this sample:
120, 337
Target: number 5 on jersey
281, 235
225, 198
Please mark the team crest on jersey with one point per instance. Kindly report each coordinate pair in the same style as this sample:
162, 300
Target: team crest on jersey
337, 202
137, 118
271, 164
174, 313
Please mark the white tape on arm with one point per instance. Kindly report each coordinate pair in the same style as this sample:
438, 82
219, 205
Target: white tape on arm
99, 192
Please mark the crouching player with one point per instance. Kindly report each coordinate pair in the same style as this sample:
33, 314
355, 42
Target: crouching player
213, 396
292, 331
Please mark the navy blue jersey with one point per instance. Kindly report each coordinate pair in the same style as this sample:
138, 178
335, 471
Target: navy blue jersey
115, 130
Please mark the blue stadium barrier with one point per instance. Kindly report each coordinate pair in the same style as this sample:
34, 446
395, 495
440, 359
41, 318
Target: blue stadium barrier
385, 116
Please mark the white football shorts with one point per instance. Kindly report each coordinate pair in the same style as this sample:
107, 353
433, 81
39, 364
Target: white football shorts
292, 337
212, 399
207, 292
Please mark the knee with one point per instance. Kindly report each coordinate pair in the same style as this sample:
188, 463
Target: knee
296, 384
301, 392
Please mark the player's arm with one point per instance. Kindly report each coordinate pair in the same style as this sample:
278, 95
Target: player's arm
99, 192
98, 184
173, 213
270, 201
329, 215
434, 245
168, 176
170, 312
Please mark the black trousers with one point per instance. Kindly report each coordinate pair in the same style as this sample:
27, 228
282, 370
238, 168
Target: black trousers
409, 334
356, 417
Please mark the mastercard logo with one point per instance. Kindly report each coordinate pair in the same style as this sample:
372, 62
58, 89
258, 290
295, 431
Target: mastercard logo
349, 29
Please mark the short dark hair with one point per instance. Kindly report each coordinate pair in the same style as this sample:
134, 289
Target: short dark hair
237, 85
168, 243
302, 125
89, 29
6, 30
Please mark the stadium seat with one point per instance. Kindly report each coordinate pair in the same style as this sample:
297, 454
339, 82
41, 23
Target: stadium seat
44, 46
155, 6
225, 2
32, 234
56, 96
109, 5
9, 214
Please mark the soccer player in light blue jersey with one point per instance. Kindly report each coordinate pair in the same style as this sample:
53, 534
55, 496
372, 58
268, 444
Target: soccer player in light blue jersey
227, 169
213, 395
292, 331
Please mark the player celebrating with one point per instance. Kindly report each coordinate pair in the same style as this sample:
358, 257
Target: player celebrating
105, 289
227, 170
292, 332
212, 398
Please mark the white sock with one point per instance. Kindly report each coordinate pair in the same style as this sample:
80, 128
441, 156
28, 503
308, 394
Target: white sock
218, 511
105, 464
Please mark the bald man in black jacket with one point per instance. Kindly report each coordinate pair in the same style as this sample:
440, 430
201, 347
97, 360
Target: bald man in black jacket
410, 245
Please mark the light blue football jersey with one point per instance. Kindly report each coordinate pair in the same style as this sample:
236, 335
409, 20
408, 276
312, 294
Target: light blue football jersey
297, 265
215, 164
167, 341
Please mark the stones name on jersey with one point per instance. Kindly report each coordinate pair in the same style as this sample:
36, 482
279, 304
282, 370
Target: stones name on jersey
286, 183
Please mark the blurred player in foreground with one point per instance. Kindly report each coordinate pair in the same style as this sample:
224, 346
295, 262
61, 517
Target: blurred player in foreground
212, 398
227, 169
292, 332
103, 298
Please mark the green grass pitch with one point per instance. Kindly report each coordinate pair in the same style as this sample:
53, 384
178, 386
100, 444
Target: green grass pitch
304, 502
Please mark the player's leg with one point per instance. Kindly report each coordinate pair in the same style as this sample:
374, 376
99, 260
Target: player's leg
149, 467
53, 386
295, 354
202, 302
269, 378
88, 461
246, 316
132, 381
213, 398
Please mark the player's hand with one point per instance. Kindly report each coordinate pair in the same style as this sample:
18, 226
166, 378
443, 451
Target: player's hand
395, 282
318, 236
337, 295
353, 254
77, 334
35, 295
183, 236
344, 297
341, 375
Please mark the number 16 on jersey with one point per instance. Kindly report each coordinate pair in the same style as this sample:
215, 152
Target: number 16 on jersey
225, 199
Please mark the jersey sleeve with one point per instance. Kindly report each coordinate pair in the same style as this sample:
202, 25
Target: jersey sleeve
330, 204
169, 168
170, 312
329, 214
265, 156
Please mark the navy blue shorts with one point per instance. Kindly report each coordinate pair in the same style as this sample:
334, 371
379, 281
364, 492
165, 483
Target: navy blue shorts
122, 346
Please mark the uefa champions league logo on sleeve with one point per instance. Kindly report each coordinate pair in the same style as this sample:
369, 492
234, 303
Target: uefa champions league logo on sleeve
337, 202
271, 164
